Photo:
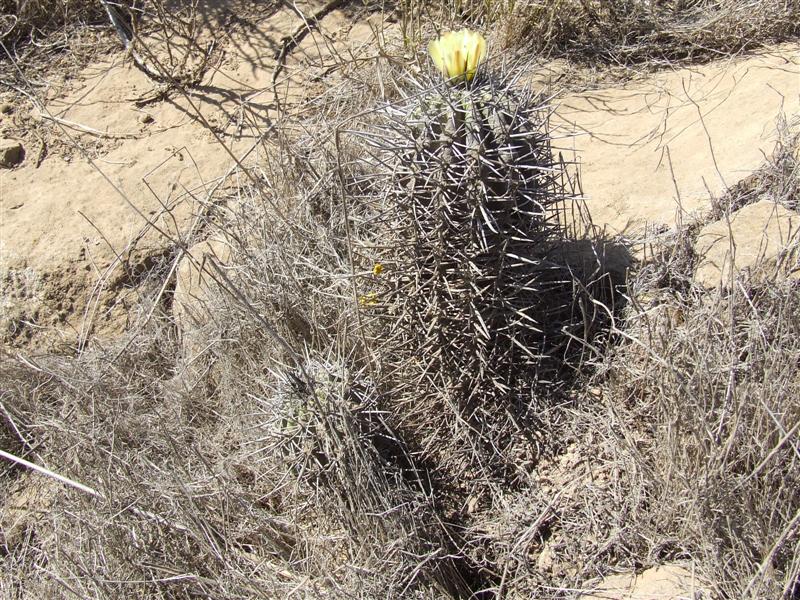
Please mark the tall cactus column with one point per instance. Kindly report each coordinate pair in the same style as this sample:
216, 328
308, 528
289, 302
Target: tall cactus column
475, 308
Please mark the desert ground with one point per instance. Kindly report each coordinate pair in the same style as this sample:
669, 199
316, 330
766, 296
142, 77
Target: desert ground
197, 395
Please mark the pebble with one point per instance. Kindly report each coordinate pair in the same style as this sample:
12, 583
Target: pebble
10, 153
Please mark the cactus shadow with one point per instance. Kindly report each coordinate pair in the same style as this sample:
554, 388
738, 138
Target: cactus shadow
598, 268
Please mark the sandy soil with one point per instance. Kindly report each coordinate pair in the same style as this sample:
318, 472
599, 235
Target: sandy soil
78, 228
656, 150
651, 152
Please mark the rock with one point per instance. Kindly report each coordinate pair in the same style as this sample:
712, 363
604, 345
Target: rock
191, 306
667, 582
10, 153
145, 118
546, 559
752, 240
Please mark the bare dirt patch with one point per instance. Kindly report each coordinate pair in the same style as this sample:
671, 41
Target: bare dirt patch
655, 152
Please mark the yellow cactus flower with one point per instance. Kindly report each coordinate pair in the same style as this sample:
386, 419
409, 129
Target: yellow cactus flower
458, 53
377, 269
370, 299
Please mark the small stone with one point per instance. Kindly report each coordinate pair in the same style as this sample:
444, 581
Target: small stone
145, 118
6, 108
546, 559
667, 582
10, 153
751, 240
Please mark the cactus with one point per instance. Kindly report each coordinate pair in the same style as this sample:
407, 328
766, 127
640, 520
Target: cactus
341, 452
475, 306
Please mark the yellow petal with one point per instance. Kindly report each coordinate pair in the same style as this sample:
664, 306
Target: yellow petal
448, 47
435, 50
455, 66
476, 52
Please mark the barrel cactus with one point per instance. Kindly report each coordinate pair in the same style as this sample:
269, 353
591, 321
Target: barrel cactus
475, 307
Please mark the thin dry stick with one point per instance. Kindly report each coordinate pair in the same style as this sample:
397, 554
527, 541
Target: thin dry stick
290, 42
90, 130
762, 568
343, 191
52, 474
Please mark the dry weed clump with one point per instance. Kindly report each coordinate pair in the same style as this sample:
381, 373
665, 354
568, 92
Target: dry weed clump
705, 405
684, 444
324, 430
265, 469
21, 19
213, 492
633, 31
622, 32
682, 447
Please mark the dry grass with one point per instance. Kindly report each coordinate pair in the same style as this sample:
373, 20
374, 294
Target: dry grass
702, 400
689, 454
269, 468
619, 32
258, 454
231, 477
38, 19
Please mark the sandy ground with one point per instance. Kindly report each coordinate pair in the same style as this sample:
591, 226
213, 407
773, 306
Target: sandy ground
75, 230
655, 151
